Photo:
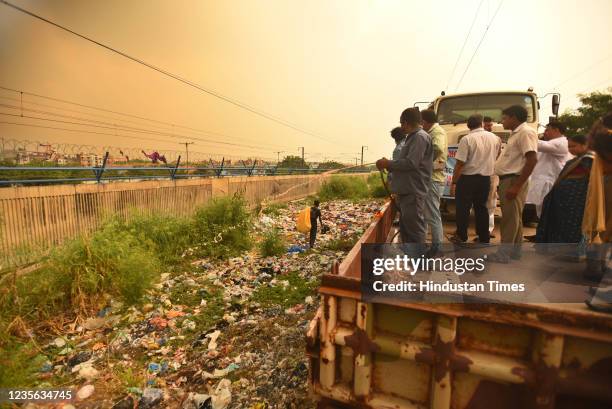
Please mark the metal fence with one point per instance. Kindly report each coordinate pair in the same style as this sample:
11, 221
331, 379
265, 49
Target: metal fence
31, 175
36, 218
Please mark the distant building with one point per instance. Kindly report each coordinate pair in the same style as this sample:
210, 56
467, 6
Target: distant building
23, 158
9, 156
90, 160
116, 160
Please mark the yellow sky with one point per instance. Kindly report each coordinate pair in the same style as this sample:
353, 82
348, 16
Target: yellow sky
342, 69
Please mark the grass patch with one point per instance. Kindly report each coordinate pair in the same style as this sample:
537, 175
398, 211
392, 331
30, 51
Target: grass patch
342, 243
19, 365
290, 290
129, 377
210, 315
344, 187
168, 236
272, 244
226, 220
77, 277
121, 260
273, 209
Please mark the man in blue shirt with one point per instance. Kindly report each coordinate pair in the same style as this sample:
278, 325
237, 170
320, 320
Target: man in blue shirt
398, 136
411, 176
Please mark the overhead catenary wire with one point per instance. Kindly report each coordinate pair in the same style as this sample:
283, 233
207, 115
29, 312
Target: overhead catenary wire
114, 123
450, 77
69, 148
116, 127
86, 131
582, 71
192, 84
479, 43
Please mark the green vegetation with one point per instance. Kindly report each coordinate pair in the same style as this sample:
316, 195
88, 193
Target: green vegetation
331, 165
273, 209
213, 313
222, 228
290, 290
344, 187
594, 106
19, 365
375, 184
343, 243
121, 260
295, 162
352, 188
167, 236
129, 377
272, 244
77, 275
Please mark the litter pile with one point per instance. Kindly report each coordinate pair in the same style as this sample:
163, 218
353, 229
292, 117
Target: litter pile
218, 334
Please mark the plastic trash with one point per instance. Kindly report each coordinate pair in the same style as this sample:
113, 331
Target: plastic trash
296, 249
150, 397
85, 392
222, 396
303, 221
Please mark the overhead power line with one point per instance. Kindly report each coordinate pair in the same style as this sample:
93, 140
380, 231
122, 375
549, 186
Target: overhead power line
69, 148
579, 73
463, 46
114, 123
118, 127
82, 130
479, 43
597, 85
171, 75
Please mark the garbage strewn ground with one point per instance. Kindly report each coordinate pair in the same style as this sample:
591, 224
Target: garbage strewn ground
217, 334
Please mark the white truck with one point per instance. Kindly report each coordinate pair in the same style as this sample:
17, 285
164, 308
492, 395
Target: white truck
454, 110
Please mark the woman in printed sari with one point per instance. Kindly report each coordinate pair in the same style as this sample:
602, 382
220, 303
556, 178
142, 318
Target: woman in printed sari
563, 206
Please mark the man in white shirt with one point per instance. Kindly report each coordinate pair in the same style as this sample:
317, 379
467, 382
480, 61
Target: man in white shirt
475, 157
514, 166
487, 124
552, 155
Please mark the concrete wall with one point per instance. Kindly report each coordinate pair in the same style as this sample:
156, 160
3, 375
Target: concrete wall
34, 219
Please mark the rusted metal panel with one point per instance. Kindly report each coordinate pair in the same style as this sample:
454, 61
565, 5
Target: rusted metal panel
454, 356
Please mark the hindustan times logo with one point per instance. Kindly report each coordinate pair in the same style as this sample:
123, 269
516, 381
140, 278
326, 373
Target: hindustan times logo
413, 265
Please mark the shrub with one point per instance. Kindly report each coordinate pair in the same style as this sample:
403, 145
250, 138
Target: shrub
168, 236
272, 244
226, 220
19, 365
76, 279
375, 184
344, 187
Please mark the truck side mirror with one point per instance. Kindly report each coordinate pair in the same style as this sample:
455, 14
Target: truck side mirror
556, 101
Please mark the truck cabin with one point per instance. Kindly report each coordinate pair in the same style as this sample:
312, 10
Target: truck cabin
454, 110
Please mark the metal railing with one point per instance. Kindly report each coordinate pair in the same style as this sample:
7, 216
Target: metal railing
32, 175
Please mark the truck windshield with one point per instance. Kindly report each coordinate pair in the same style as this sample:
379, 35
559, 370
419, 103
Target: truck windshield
454, 110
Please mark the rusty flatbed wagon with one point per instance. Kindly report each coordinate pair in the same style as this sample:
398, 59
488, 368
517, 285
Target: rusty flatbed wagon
462, 356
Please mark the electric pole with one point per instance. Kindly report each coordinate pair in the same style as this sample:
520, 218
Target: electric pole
362, 148
302, 148
278, 156
187, 150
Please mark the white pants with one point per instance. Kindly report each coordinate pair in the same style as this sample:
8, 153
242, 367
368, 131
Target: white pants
492, 201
